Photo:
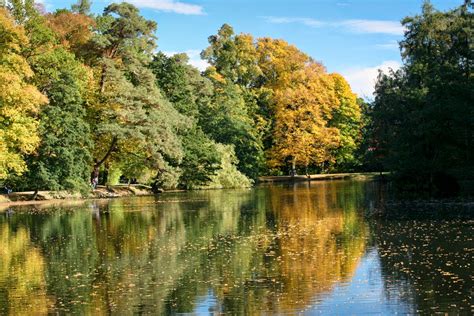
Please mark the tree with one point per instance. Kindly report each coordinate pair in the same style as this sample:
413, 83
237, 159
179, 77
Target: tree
233, 117
74, 31
41, 38
187, 90
278, 60
136, 120
20, 101
201, 159
63, 157
277, 86
234, 57
228, 176
423, 113
127, 111
227, 120
347, 118
82, 7
303, 109
182, 84
21, 10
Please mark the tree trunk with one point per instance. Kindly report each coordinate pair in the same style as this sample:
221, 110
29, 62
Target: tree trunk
35, 195
95, 172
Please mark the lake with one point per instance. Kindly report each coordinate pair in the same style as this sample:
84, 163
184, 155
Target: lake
307, 248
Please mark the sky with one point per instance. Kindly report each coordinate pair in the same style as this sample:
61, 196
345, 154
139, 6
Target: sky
351, 37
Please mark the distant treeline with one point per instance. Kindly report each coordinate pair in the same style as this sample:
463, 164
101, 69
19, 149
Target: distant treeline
85, 95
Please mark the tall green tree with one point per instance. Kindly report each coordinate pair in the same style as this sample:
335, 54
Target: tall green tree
227, 120
187, 90
63, 157
233, 118
423, 113
233, 57
129, 115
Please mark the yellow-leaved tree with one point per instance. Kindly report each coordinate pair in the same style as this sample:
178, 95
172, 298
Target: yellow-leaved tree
302, 100
19, 100
278, 61
347, 118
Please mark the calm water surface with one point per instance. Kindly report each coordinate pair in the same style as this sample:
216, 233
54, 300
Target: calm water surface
305, 249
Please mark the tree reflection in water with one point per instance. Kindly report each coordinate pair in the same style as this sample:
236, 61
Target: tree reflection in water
22, 275
272, 249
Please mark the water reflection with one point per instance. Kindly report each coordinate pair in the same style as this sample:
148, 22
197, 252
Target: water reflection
273, 249
430, 262
22, 274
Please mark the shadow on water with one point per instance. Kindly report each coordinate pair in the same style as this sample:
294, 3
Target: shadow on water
306, 247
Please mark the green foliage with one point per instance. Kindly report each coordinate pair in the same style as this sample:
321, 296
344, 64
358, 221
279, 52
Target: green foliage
231, 116
21, 10
82, 7
228, 176
217, 115
114, 175
423, 113
63, 157
122, 33
40, 37
188, 91
181, 83
139, 119
167, 178
201, 159
234, 57
226, 119
130, 116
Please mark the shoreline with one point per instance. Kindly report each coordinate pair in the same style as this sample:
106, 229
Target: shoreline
321, 177
125, 190
54, 197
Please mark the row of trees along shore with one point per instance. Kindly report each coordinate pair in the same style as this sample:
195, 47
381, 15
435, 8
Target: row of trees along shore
83, 93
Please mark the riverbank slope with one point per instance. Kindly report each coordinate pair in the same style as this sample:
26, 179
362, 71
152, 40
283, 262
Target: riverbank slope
102, 192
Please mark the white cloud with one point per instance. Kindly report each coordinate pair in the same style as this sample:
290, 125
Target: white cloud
287, 20
373, 26
169, 6
392, 45
362, 80
355, 26
194, 58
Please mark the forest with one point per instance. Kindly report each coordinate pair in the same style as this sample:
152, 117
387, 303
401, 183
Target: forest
84, 94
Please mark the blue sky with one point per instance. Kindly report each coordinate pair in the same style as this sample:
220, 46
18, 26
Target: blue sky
352, 37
